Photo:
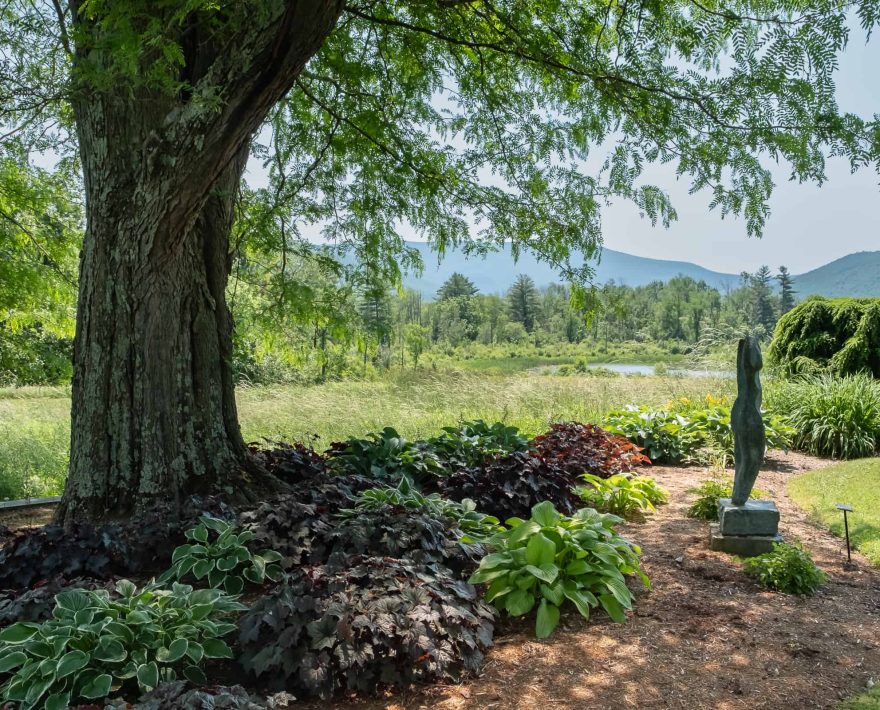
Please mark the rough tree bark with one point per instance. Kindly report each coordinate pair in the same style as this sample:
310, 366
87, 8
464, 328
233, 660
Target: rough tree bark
153, 412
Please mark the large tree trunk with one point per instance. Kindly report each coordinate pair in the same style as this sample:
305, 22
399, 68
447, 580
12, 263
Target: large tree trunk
153, 413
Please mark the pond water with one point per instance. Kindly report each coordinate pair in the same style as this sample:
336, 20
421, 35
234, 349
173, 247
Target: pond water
643, 369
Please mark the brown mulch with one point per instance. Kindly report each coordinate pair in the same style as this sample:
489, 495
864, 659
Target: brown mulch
705, 636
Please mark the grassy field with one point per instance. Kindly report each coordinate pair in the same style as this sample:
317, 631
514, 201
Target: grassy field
34, 422
856, 483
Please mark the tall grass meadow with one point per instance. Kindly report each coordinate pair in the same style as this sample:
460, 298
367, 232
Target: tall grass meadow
35, 428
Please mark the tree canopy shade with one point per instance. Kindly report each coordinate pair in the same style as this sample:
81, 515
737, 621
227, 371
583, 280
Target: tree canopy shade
470, 122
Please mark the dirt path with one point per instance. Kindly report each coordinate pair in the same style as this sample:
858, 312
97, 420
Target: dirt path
705, 636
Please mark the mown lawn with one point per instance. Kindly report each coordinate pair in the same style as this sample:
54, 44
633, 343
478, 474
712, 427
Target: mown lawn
856, 483
34, 422
866, 701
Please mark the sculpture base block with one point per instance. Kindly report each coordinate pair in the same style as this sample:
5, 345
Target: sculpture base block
742, 545
756, 517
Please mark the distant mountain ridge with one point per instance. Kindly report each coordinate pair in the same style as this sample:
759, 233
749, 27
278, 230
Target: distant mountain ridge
853, 275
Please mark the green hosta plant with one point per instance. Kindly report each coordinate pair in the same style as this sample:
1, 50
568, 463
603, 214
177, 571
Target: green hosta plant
95, 643
623, 494
667, 437
788, 568
219, 555
471, 442
551, 558
685, 434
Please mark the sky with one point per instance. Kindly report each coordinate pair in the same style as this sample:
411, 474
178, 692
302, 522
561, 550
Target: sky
809, 225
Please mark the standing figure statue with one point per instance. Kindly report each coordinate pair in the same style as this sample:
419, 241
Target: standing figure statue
749, 439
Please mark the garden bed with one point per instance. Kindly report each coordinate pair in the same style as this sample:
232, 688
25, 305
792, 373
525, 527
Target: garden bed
706, 636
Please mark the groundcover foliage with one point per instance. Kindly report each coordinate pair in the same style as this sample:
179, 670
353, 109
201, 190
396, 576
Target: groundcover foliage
701, 434
386, 456
372, 623
471, 442
623, 494
371, 550
551, 558
508, 486
218, 553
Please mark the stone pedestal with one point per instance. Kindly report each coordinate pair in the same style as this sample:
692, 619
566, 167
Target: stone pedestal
745, 530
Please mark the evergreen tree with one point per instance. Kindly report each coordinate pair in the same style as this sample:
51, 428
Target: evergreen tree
455, 286
764, 309
523, 303
786, 290
375, 312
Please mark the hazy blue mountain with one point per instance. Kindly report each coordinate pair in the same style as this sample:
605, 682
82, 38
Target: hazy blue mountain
853, 275
496, 272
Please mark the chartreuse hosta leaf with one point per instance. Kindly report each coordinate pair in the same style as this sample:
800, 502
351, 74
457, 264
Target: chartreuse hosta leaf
218, 556
97, 641
551, 558
623, 494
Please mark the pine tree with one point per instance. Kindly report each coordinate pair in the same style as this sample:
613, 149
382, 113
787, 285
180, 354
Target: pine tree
456, 285
523, 303
764, 310
786, 290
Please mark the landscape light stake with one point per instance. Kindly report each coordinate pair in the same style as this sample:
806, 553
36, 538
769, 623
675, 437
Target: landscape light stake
846, 509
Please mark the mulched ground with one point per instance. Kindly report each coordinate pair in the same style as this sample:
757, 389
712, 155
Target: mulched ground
705, 636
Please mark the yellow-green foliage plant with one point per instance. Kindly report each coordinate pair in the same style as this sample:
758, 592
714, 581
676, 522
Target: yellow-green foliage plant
623, 494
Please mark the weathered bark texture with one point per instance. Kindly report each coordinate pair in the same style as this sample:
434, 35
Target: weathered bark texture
153, 412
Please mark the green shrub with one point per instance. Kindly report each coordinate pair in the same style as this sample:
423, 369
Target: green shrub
788, 568
95, 643
830, 416
623, 494
680, 433
551, 557
839, 335
472, 442
705, 507
386, 456
219, 555
667, 437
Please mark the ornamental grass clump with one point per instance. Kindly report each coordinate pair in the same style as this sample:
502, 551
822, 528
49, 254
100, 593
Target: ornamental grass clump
551, 558
830, 415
